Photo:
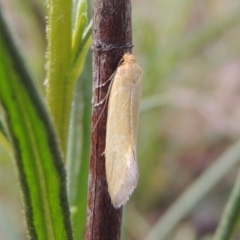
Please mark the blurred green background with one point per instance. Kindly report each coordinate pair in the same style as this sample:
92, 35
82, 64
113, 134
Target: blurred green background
190, 55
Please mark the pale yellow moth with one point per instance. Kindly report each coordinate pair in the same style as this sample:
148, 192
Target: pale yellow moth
122, 124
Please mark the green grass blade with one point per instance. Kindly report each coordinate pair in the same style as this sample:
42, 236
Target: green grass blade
230, 219
39, 161
194, 193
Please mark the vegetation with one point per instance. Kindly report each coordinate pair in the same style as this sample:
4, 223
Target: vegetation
188, 149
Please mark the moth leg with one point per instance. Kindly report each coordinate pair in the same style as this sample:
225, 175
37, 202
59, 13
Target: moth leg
101, 102
104, 100
109, 80
105, 104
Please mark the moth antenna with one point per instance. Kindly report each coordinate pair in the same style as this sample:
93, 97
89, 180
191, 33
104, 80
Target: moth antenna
107, 96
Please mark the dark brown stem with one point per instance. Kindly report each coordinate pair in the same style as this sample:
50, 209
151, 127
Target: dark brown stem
112, 37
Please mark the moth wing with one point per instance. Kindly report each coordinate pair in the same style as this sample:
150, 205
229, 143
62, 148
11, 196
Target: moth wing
121, 137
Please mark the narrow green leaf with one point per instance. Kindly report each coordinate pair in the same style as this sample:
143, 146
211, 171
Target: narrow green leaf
81, 10
79, 26
39, 161
59, 91
83, 47
78, 34
79, 151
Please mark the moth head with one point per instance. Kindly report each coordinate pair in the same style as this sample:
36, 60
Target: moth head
127, 57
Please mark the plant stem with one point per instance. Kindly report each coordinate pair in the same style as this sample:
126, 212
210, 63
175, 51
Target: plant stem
112, 36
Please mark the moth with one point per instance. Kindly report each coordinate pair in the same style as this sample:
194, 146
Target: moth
121, 132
